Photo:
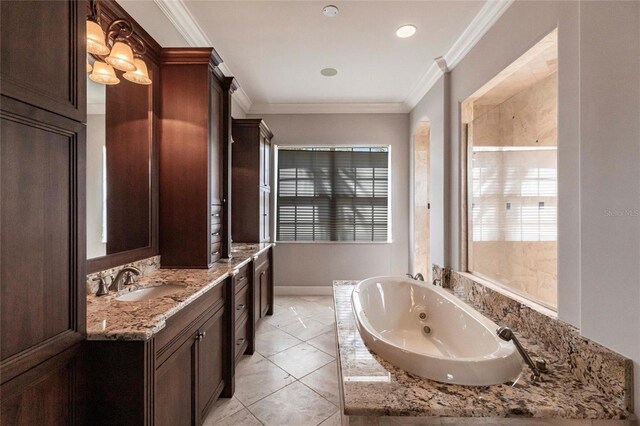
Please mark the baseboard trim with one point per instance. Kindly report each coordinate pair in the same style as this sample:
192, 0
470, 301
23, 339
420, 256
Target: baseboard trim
299, 290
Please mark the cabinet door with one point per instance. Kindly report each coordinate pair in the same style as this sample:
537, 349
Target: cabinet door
175, 390
265, 281
265, 217
211, 347
256, 295
215, 123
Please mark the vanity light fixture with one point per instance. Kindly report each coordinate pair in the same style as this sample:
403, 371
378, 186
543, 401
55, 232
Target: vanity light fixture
406, 31
140, 75
103, 74
125, 53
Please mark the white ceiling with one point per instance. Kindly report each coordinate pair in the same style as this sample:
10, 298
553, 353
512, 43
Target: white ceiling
276, 49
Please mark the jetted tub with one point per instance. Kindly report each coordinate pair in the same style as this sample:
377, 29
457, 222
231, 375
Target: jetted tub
458, 344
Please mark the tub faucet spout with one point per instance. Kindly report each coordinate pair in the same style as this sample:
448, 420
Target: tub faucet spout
417, 277
537, 367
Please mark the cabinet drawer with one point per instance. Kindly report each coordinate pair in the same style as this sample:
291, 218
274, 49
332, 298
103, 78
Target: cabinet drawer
241, 338
216, 214
215, 249
216, 232
242, 278
242, 303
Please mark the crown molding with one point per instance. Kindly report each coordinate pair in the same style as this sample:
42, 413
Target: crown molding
179, 15
488, 15
331, 108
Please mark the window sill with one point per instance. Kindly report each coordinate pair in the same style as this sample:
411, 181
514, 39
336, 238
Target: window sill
538, 307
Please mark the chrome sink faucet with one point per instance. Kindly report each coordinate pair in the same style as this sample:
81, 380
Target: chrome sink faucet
417, 277
125, 274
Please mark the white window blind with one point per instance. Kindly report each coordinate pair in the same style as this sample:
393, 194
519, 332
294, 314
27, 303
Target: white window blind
514, 194
332, 194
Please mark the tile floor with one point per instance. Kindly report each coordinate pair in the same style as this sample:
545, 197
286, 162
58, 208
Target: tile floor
292, 378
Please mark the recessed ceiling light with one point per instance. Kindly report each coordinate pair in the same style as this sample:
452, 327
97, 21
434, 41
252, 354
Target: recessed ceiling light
328, 72
406, 31
330, 11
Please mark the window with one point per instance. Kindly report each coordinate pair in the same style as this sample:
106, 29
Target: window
333, 194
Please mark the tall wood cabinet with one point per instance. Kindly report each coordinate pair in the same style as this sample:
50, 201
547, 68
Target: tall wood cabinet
194, 158
251, 181
42, 210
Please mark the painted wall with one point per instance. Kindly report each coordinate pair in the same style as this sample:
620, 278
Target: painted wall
598, 156
318, 264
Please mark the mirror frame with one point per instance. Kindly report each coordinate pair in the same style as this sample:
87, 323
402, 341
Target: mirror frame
110, 10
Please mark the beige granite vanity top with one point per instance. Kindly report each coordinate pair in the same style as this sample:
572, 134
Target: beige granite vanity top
110, 319
373, 387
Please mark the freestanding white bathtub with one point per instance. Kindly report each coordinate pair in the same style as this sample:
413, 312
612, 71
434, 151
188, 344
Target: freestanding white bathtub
458, 346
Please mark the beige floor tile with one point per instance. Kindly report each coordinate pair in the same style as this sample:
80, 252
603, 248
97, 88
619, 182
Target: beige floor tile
224, 407
301, 360
274, 341
264, 327
257, 377
282, 316
241, 418
294, 405
324, 381
325, 342
334, 420
305, 328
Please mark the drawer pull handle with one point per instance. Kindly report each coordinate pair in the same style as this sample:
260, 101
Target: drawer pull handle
216, 215
262, 273
214, 253
240, 307
240, 341
215, 235
242, 278
201, 335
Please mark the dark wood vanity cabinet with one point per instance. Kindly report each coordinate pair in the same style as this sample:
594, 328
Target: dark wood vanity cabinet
192, 377
195, 157
251, 171
171, 379
263, 284
42, 211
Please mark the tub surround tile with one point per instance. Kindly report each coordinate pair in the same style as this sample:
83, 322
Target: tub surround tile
373, 387
110, 319
587, 361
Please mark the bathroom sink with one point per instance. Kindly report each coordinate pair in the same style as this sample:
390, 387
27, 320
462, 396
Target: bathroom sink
149, 293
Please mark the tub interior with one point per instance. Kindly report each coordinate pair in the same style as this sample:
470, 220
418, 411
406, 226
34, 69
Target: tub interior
393, 309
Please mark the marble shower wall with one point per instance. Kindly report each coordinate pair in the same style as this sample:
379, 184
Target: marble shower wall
528, 118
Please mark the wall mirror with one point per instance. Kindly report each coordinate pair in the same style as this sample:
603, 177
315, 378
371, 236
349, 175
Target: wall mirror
121, 167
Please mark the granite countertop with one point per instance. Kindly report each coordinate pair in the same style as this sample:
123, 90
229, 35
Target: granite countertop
373, 387
110, 319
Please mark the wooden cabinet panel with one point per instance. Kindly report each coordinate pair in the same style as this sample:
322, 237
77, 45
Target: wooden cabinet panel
46, 395
42, 235
265, 288
193, 149
43, 55
175, 387
211, 350
251, 181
